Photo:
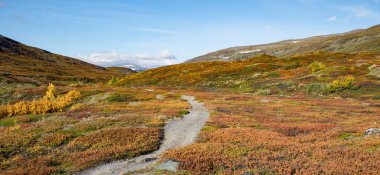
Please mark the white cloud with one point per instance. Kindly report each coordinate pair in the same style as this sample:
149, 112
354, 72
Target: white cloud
332, 18
113, 58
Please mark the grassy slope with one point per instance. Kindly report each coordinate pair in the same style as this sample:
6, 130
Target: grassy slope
24, 64
350, 42
267, 74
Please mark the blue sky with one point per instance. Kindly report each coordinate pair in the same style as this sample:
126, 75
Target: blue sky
159, 32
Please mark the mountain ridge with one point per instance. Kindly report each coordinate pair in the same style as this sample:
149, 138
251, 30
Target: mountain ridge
21, 63
348, 42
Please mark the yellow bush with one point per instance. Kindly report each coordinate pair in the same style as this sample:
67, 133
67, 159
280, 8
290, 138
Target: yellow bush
3, 110
48, 103
317, 66
341, 84
50, 92
113, 81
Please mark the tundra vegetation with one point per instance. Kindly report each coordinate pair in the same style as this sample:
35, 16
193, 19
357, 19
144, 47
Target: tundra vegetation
74, 132
304, 114
313, 74
283, 135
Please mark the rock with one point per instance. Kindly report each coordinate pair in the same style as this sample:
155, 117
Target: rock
160, 97
247, 173
265, 100
372, 132
148, 159
170, 165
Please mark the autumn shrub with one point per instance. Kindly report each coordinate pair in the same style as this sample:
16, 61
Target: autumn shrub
113, 81
316, 66
314, 88
340, 84
293, 65
48, 103
282, 135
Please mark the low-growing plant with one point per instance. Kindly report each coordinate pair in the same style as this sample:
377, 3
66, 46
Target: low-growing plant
272, 74
341, 84
113, 81
293, 65
316, 66
48, 103
314, 88
183, 112
263, 92
118, 97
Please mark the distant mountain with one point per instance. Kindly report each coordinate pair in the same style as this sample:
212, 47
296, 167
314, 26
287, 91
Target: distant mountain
123, 70
20, 63
135, 67
350, 42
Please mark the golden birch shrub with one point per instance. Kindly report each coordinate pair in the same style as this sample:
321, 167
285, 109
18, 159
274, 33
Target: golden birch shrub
50, 92
48, 103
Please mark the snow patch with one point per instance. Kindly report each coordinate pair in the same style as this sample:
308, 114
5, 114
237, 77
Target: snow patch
294, 42
250, 51
224, 57
135, 67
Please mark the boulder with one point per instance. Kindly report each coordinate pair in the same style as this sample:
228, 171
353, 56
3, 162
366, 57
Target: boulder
372, 132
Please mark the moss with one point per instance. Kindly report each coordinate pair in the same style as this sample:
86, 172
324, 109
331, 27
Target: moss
183, 112
273, 74
346, 136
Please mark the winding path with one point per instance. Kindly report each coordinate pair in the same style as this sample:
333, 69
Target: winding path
177, 133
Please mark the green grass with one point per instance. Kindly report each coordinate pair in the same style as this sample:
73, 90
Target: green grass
11, 121
118, 97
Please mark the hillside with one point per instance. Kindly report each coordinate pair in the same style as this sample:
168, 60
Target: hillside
123, 70
312, 73
20, 63
350, 42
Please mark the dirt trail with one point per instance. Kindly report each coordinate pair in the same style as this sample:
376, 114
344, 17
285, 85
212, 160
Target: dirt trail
178, 133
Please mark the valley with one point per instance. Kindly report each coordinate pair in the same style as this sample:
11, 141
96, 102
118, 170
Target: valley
315, 111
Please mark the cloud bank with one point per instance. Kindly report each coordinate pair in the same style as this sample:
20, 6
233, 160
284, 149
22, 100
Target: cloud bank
113, 58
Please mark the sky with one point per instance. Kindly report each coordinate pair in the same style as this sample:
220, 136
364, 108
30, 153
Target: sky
151, 33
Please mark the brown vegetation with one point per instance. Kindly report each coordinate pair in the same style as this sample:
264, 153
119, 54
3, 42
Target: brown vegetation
271, 135
94, 130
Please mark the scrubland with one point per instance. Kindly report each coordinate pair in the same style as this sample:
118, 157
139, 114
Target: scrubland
314, 74
304, 114
283, 135
104, 124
